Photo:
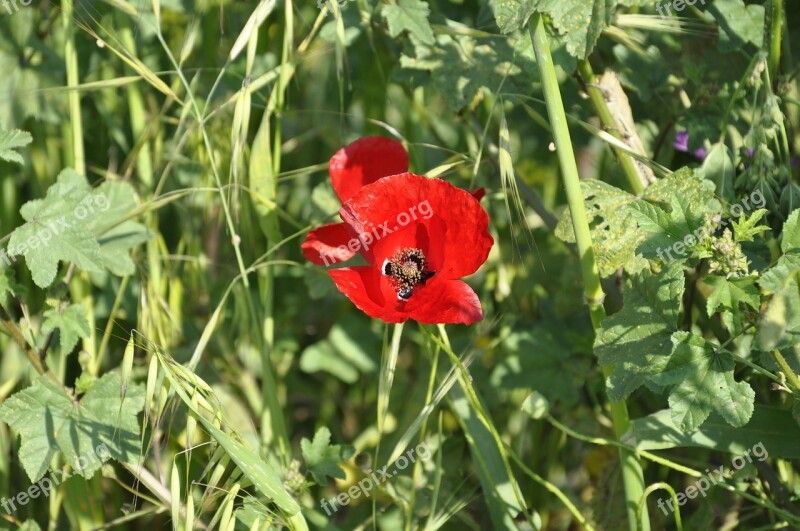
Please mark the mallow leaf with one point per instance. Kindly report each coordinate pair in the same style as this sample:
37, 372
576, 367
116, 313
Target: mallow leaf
411, 16
703, 382
77, 224
11, 140
99, 426
71, 323
322, 458
636, 340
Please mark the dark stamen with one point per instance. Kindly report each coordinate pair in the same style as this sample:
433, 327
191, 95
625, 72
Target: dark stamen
407, 270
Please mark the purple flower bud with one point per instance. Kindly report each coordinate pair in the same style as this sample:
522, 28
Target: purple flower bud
681, 141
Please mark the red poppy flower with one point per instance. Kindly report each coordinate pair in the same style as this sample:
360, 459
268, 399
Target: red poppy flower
360, 163
419, 236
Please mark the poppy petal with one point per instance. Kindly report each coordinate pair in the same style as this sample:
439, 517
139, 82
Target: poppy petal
478, 193
363, 286
445, 302
327, 245
454, 220
365, 161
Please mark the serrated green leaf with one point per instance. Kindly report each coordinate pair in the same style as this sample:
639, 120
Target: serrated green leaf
668, 232
512, 15
411, 16
704, 382
71, 323
738, 24
636, 340
579, 22
324, 459
790, 238
747, 228
76, 224
11, 140
729, 293
49, 420
610, 220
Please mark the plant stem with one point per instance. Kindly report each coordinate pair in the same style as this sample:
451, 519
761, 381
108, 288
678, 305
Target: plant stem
776, 22
609, 124
787, 370
632, 476
74, 96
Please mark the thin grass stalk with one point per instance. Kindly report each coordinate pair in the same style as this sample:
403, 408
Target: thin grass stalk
632, 475
74, 96
604, 113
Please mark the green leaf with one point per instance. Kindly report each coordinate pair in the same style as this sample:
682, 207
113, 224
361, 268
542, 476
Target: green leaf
322, 459
8, 287
747, 227
11, 140
790, 239
718, 168
512, 15
738, 24
728, 293
76, 224
610, 220
49, 420
411, 16
579, 22
462, 66
636, 340
71, 323
704, 382
543, 362
680, 229
771, 426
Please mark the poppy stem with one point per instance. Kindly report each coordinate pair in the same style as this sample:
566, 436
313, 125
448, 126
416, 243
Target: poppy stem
632, 476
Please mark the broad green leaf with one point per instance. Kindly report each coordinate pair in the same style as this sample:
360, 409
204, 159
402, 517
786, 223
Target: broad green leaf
324, 459
411, 16
719, 169
11, 140
462, 66
771, 426
512, 15
49, 420
728, 295
71, 323
541, 362
703, 382
579, 22
670, 235
790, 238
635, 341
610, 220
738, 24
76, 224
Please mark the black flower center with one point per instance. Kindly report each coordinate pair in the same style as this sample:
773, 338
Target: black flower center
407, 270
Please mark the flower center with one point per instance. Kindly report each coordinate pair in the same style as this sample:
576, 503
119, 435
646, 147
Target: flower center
407, 271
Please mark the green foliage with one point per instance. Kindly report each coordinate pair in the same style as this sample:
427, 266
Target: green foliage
702, 380
636, 341
51, 421
411, 16
71, 323
11, 140
324, 459
76, 224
